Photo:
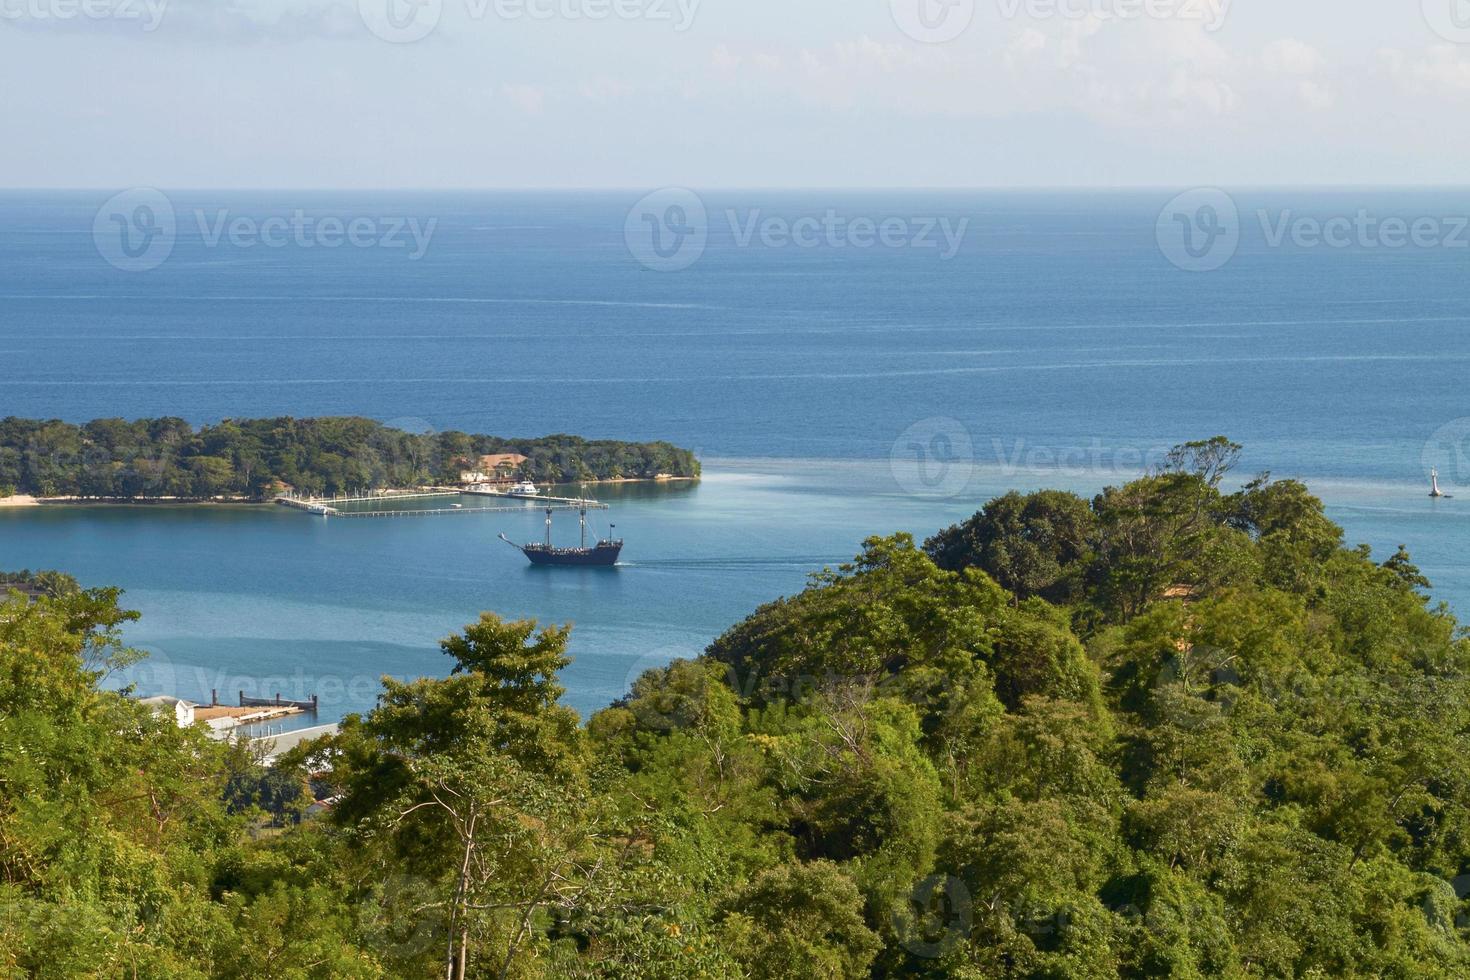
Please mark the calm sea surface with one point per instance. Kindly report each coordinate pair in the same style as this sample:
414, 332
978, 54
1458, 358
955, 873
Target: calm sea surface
1057, 347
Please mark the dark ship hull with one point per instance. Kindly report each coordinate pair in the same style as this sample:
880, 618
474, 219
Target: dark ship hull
602, 556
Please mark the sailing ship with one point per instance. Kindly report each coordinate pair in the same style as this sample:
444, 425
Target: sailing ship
602, 555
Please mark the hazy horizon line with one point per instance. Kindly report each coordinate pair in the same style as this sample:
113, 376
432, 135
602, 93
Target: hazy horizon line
716, 189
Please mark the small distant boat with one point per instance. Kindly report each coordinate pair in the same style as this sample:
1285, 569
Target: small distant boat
1434, 490
524, 489
603, 555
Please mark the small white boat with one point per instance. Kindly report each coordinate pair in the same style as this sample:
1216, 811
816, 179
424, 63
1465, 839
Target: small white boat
524, 489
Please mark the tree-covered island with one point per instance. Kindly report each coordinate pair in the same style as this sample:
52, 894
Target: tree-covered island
1173, 731
258, 458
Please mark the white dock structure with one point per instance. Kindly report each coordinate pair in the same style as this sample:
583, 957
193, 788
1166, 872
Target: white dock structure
275, 746
341, 507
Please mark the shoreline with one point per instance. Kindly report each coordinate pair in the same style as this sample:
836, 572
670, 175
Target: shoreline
27, 500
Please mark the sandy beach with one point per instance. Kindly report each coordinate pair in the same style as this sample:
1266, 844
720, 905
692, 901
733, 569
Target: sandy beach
19, 500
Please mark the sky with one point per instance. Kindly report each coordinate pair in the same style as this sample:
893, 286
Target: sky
447, 94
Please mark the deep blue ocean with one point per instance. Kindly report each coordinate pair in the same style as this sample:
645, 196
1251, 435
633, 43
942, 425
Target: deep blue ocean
1058, 346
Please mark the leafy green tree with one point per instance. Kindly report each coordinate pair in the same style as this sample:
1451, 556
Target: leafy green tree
1229, 747
477, 784
1401, 564
1034, 545
168, 458
800, 921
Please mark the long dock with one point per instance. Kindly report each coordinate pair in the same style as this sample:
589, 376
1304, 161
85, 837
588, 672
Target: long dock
590, 505
310, 506
330, 508
379, 497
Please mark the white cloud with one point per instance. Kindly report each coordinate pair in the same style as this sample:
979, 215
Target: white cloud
723, 60
530, 99
1441, 70
1316, 95
604, 90
1299, 93
1025, 46
1292, 57
1133, 74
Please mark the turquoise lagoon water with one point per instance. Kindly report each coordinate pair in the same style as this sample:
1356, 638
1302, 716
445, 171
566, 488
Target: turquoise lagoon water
1057, 348
271, 601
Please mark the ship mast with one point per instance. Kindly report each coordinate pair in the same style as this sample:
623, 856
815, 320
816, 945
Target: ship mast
583, 511
548, 528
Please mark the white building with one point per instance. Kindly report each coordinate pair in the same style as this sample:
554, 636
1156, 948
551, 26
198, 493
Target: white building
183, 711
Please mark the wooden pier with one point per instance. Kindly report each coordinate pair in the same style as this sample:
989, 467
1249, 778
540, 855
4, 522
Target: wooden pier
502, 495
381, 497
331, 508
590, 505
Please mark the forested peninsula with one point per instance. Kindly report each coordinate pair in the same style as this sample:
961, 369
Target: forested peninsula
255, 459
1177, 730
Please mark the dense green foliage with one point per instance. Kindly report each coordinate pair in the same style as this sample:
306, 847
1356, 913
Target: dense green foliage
1196, 737
113, 458
38, 583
